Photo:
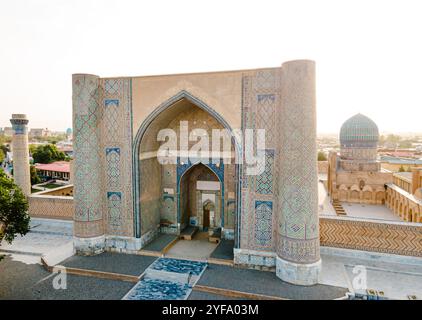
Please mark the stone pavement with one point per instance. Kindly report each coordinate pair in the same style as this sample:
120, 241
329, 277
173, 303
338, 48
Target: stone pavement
265, 283
197, 249
45, 235
396, 279
167, 279
127, 264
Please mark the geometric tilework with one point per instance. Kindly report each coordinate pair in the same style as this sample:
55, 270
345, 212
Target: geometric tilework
112, 120
114, 200
260, 101
263, 223
298, 187
113, 168
266, 117
382, 237
264, 182
112, 87
218, 170
87, 193
117, 158
51, 207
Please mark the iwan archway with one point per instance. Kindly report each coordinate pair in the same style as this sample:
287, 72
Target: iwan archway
165, 200
123, 196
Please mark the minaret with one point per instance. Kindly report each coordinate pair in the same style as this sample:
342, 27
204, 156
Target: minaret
20, 150
88, 227
298, 258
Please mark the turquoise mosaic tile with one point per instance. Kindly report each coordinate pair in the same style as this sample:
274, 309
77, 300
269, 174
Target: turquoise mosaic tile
157, 289
179, 266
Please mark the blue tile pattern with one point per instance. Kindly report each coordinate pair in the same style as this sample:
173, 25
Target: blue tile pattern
264, 182
167, 279
179, 266
263, 223
156, 289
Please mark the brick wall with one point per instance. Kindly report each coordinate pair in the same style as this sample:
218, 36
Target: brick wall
386, 237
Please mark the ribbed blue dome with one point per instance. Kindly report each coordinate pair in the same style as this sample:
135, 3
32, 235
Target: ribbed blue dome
359, 132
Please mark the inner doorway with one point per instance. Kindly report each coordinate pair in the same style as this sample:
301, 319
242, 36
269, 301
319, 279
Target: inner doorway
200, 199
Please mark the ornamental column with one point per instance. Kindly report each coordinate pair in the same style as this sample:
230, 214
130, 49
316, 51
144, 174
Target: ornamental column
298, 256
88, 218
20, 150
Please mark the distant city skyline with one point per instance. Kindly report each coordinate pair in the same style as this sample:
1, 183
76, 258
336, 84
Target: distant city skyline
365, 65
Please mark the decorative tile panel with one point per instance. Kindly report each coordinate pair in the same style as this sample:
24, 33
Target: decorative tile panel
263, 223
264, 182
113, 168
114, 200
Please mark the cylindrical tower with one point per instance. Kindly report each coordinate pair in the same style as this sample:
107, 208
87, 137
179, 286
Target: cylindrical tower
21, 153
88, 219
298, 257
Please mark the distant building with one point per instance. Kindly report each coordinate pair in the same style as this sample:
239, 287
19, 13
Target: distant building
66, 148
404, 195
8, 131
57, 170
355, 175
395, 164
39, 132
69, 134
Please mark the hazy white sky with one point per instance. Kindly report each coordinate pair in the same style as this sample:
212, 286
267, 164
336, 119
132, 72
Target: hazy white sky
368, 53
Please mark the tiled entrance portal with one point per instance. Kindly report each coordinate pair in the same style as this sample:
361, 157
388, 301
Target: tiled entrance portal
167, 279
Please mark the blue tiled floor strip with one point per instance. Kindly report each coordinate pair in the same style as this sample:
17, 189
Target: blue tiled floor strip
167, 279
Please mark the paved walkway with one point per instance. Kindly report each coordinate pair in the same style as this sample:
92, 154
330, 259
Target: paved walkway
45, 236
167, 279
121, 263
197, 249
397, 280
264, 283
224, 250
160, 242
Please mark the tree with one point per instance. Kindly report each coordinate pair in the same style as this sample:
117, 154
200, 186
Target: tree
35, 179
401, 169
14, 218
322, 156
48, 153
2, 155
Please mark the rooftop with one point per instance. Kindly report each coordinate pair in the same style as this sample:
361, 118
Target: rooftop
58, 166
398, 160
405, 175
359, 131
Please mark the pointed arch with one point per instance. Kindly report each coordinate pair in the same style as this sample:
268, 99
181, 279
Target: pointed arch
183, 94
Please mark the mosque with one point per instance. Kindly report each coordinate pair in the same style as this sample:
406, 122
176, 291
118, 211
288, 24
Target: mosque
266, 208
124, 197
355, 175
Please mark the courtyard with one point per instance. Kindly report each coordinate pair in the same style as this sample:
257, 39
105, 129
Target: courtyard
183, 271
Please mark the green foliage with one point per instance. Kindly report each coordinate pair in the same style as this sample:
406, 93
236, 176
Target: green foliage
32, 148
322, 156
401, 169
14, 218
2, 155
48, 153
34, 176
4, 139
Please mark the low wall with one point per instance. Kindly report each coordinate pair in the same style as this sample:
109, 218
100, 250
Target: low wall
53, 207
400, 238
